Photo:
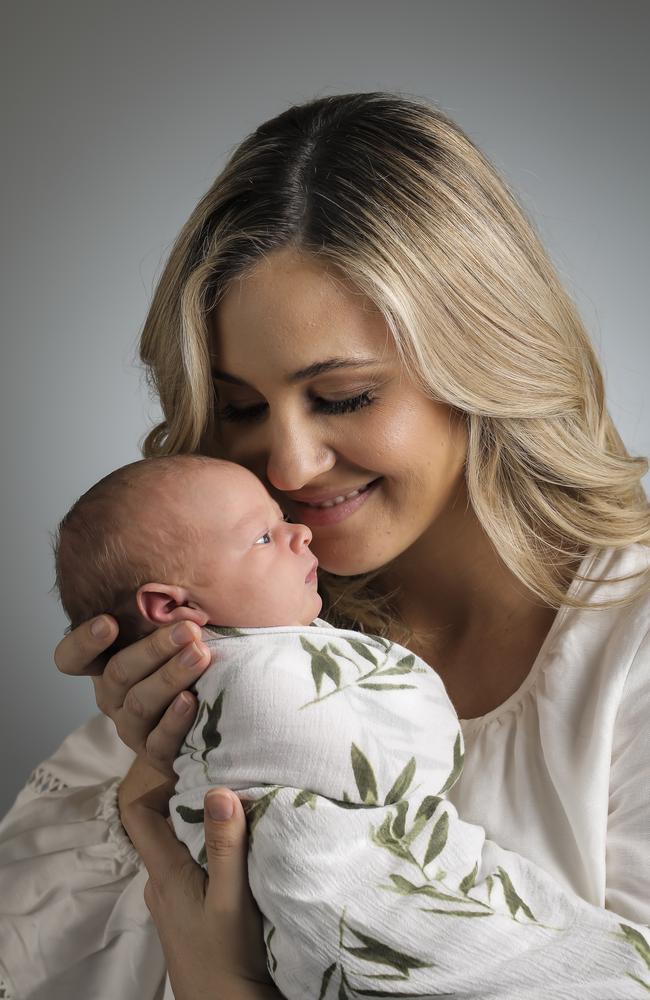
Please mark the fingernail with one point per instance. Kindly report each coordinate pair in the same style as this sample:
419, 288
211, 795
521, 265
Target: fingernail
100, 628
182, 633
219, 806
191, 656
181, 705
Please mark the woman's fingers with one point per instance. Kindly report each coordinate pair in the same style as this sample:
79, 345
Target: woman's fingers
80, 652
228, 897
210, 929
226, 844
160, 656
164, 741
141, 682
140, 687
146, 824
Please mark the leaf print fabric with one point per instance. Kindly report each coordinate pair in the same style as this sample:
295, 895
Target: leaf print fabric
342, 748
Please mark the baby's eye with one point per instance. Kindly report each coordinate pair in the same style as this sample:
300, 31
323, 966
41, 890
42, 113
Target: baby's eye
264, 539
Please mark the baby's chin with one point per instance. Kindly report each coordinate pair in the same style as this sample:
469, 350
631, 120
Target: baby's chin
313, 612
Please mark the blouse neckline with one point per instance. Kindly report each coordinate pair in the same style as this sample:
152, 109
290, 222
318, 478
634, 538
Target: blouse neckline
477, 722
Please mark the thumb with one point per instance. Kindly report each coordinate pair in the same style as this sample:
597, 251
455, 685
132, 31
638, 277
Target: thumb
226, 844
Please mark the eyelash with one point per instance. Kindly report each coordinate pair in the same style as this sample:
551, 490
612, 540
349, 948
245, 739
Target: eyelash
267, 534
332, 407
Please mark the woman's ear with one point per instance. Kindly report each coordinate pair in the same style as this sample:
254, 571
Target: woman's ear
162, 604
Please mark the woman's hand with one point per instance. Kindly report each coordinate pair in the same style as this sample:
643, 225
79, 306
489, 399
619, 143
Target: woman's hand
141, 688
210, 928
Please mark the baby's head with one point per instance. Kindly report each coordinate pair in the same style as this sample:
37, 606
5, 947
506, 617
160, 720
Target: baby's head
184, 538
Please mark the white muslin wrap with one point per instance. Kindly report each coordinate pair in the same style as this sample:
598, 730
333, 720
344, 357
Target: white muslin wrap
342, 748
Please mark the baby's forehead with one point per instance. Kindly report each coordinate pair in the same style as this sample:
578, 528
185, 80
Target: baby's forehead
230, 487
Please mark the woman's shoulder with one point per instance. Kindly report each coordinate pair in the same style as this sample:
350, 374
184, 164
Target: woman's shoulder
630, 559
592, 651
615, 584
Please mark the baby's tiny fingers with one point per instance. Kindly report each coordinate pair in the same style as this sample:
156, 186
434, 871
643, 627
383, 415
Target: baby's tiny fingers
163, 743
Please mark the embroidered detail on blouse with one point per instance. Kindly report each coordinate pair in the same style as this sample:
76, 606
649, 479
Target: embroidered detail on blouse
6, 992
42, 780
109, 811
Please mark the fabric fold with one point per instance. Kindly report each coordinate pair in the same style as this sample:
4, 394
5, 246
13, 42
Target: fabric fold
73, 920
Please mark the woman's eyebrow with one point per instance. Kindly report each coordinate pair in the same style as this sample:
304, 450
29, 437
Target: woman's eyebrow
311, 371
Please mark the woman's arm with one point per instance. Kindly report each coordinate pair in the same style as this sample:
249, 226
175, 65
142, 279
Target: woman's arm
143, 687
142, 684
72, 914
210, 928
72, 911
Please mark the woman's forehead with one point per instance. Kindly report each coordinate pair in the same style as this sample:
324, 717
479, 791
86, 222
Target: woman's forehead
290, 313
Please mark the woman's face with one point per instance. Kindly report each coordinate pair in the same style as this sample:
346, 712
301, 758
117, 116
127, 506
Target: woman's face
313, 399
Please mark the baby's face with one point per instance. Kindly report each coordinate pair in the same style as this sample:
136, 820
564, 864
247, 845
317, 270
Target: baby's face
252, 568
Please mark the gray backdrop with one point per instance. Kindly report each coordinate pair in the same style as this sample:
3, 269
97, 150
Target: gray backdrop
117, 116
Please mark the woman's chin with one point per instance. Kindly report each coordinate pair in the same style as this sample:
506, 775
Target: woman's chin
343, 564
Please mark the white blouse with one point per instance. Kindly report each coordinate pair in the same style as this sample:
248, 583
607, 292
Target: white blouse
559, 773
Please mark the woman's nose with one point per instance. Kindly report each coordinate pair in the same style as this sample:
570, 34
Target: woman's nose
296, 457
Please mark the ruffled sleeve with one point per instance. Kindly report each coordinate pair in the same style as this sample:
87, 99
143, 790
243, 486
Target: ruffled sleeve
628, 826
73, 922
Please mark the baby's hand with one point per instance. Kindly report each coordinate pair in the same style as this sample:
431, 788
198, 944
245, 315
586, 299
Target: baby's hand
142, 687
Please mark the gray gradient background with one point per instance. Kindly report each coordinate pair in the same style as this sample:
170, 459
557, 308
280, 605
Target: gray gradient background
117, 116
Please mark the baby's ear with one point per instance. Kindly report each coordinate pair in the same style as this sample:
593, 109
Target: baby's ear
163, 604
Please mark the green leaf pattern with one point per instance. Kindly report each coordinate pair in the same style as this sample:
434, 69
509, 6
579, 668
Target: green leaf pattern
325, 662
364, 776
642, 948
414, 829
210, 733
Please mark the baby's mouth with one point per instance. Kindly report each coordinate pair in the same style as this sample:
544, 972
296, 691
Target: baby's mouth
312, 572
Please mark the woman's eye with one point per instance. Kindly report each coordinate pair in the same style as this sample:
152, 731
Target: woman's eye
264, 539
331, 407
232, 413
336, 406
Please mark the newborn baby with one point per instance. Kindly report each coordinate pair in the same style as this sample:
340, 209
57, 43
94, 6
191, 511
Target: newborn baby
342, 747
184, 538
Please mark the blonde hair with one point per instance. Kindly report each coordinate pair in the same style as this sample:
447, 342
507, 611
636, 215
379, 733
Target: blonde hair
395, 196
107, 546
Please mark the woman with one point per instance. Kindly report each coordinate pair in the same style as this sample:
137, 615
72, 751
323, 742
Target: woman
359, 312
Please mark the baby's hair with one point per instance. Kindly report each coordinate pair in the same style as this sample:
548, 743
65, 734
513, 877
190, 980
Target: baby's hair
101, 560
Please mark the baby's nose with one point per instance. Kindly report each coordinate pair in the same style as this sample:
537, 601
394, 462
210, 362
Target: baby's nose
302, 534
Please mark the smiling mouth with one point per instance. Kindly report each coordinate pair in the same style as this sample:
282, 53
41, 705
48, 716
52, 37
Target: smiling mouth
335, 501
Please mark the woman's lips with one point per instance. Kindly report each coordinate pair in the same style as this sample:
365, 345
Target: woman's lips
322, 516
304, 496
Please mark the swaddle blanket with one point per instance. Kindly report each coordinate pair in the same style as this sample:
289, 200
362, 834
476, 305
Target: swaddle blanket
342, 748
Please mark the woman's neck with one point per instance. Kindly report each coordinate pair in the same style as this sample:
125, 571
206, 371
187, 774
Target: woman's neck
452, 577
471, 618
